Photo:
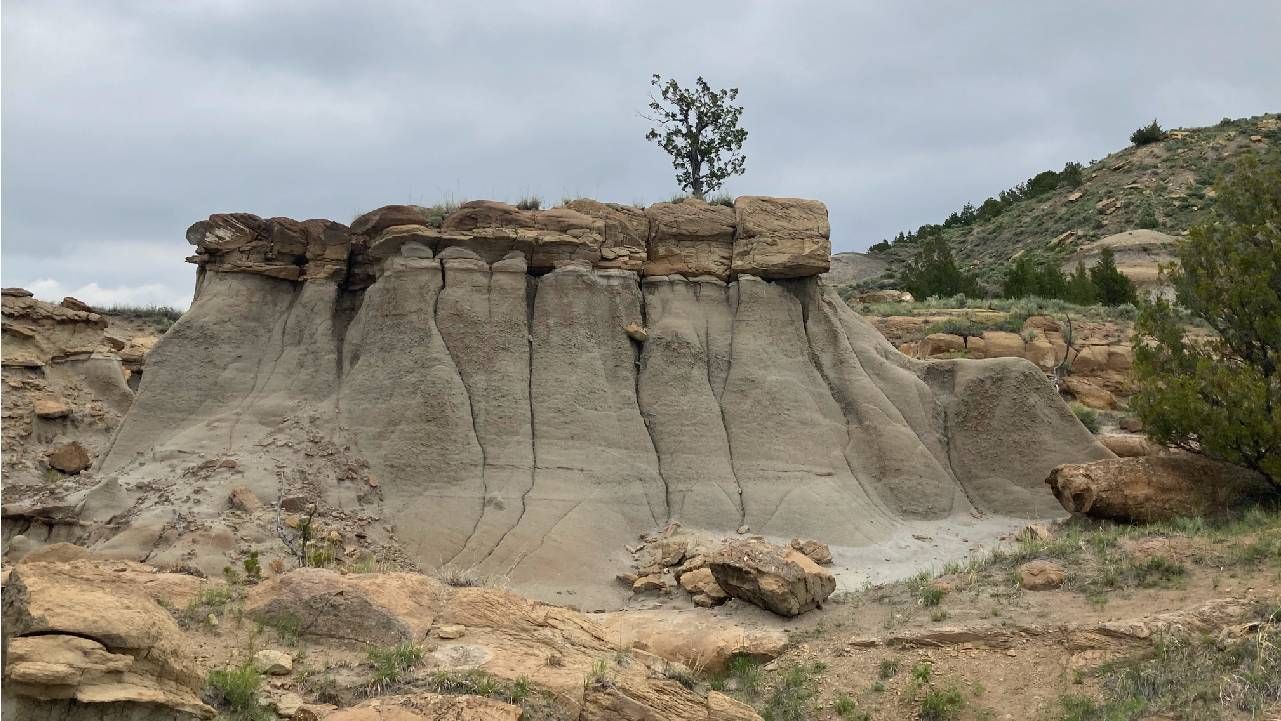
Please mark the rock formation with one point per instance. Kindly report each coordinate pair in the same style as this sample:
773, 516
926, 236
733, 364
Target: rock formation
472, 388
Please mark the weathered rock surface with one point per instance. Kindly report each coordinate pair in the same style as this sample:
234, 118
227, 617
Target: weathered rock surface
782, 580
781, 237
428, 707
488, 407
88, 640
1153, 488
1090, 395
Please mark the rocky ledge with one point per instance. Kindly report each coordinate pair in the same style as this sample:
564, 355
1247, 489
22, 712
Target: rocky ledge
761, 236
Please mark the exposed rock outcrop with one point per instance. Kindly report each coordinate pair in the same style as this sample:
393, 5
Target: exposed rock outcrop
88, 640
466, 386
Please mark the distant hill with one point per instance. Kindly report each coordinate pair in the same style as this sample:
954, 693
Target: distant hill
1163, 186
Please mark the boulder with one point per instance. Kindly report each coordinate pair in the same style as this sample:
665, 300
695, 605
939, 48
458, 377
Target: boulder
700, 582
1090, 395
818, 552
69, 457
626, 232
1041, 575
243, 499
781, 237
90, 634
376, 221
50, 408
782, 580
727, 708
1153, 488
940, 343
690, 238
76, 304
706, 641
274, 663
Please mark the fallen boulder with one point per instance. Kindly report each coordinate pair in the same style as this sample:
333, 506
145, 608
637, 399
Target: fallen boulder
1041, 575
817, 551
1153, 488
70, 457
782, 580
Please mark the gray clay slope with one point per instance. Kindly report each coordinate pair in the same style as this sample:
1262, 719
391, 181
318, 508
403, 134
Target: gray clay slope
505, 420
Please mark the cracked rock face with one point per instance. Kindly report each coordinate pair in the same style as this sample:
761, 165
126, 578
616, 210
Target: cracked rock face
505, 419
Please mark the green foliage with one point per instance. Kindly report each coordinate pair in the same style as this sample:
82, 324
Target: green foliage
1150, 133
253, 567
1221, 397
964, 327
887, 668
1148, 219
1088, 417
942, 704
1080, 288
699, 128
933, 272
234, 689
1024, 278
155, 313
792, 695
1188, 678
880, 247
724, 199
1110, 286
391, 663
847, 708
530, 202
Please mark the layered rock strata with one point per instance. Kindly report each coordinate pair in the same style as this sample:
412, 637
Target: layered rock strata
483, 367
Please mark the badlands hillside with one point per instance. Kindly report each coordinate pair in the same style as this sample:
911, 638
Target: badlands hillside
593, 462
1135, 200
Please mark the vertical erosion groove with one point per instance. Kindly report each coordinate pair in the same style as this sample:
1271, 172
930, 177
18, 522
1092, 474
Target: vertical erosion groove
638, 359
719, 397
471, 409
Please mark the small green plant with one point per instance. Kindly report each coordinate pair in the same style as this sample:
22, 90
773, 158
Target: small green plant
793, 694
724, 199
211, 601
464, 577
234, 689
942, 704
253, 567
1088, 417
746, 673
888, 668
391, 663
932, 596
938, 614
921, 673
599, 676
288, 627
681, 674
847, 708
530, 202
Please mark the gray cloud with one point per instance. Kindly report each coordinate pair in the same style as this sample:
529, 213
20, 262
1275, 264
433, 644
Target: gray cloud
124, 122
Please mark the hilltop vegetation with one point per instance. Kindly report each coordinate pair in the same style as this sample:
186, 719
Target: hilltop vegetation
1163, 185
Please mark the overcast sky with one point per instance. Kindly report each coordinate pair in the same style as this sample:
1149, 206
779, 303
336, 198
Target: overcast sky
124, 122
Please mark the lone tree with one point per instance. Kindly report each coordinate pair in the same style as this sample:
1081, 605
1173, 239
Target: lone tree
1221, 397
698, 127
1111, 287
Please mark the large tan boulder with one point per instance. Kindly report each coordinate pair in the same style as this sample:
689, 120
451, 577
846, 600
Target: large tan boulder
92, 634
1090, 395
782, 580
1041, 575
1152, 488
940, 343
781, 237
690, 238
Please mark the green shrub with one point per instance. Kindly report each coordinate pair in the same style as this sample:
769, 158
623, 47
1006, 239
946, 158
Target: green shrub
530, 202
1150, 133
1222, 397
391, 663
942, 704
234, 689
1088, 417
724, 199
793, 694
963, 327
